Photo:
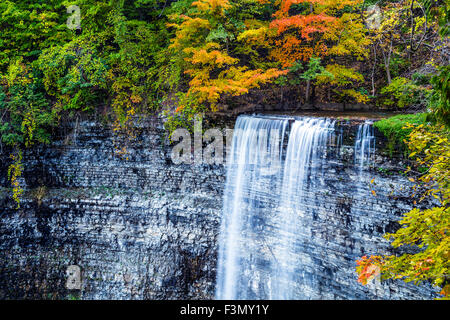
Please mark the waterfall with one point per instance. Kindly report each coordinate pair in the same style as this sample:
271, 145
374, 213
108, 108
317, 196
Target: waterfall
257, 175
253, 164
364, 152
305, 159
364, 144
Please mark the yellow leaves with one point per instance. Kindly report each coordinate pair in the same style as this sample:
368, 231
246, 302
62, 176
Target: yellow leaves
136, 98
430, 147
212, 69
359, 97
217, 7
14, 172
233, 81
320, 32
27, 127
187, 30
349, 34
16, 73
204, 56
254, 35
427, 229
343, 76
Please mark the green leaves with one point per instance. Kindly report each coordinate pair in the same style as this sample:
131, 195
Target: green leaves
74, 74
396, 130
314, 70
429, 229
440, 98
28, 27
402, 93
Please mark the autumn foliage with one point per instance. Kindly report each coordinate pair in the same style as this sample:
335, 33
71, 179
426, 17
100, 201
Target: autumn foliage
424, 232
201, 44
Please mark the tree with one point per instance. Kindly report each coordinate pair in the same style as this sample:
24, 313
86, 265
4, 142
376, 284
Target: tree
329, 30
440, 98
314, 71
201, 48
27, 27
424, 231
427, 230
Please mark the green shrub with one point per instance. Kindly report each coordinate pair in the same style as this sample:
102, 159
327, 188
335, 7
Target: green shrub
440, 97
421, 79
394, 128
402, 92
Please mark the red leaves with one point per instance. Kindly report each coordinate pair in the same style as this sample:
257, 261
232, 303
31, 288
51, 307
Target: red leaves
368, 268
299, 36
305, 24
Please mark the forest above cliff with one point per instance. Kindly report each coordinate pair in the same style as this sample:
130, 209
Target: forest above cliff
120, 58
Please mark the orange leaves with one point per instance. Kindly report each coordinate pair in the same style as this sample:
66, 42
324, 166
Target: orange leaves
290, 49
299, 37
212, 69
204, 56
318, 30
445, 290
233, 81
368, 268
306, 25
202, 47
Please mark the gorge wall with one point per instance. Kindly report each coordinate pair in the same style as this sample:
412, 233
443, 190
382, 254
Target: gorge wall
142, 227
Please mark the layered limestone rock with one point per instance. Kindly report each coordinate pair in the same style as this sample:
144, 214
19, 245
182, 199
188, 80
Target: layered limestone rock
141, 227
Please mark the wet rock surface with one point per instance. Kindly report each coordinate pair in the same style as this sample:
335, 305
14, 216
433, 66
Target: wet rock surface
142, 227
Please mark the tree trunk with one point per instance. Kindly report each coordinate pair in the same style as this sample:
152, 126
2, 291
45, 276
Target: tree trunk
373, 70
387, 61
308, 85
388, 72
411, 42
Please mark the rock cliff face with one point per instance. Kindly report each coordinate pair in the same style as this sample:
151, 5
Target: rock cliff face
145, 228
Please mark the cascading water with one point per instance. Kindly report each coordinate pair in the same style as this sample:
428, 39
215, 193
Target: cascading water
365, 144
305, 159
256, 161
364, 152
